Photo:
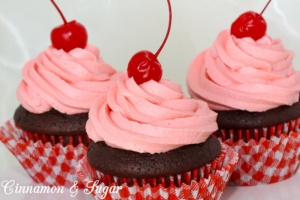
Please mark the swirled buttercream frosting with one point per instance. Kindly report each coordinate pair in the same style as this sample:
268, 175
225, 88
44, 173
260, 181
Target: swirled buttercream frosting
152, 117
244, 74
65, 81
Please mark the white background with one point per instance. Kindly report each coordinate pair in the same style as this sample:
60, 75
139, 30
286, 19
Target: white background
120, 28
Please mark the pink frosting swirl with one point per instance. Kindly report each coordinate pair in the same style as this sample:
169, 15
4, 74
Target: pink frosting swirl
243, 74
152, 117
67, 82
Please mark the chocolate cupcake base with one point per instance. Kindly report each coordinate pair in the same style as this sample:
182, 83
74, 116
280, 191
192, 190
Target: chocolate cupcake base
123, 163
239, 119
206, 182
268, 143
52, 126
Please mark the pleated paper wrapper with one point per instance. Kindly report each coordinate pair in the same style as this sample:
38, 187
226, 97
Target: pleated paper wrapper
51, 165
267, 155
207, 182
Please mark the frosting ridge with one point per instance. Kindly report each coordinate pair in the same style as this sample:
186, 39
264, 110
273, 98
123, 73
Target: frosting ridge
244, 74
65, 81
152, 117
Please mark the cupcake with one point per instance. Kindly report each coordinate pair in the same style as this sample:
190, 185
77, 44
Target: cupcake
47, 133
150, 141
248, 78
153, 141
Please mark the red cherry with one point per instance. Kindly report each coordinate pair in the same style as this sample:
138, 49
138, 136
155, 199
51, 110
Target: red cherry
69, 35
144, 66
250, 24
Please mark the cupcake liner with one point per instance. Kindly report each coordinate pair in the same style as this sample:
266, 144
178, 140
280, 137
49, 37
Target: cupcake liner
45, 163
267, 155
55, 139
207, 182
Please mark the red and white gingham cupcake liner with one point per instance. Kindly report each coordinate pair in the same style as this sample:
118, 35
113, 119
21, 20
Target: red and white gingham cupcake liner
51, 165
55, 139
267, 155
207, 182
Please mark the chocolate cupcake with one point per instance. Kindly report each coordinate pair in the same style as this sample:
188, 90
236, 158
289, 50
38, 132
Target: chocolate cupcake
252, 85
151, 136
153, 141
47, 134
55, 96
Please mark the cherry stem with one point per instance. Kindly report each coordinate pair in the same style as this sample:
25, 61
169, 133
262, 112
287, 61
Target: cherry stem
265, 8
57, 8
168, 32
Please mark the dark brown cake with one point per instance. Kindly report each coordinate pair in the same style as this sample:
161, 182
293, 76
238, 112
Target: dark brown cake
124, 163
52, 123
238, 119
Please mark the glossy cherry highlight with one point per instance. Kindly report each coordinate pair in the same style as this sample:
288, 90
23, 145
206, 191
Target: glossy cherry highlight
69, 35
250, 24
144, 66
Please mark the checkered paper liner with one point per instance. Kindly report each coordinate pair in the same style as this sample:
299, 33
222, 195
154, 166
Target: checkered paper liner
207, 182
45, 163
55, 139
267, 155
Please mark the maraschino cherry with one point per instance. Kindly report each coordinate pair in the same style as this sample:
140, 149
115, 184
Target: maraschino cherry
69, 35
250, 24
144, 66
